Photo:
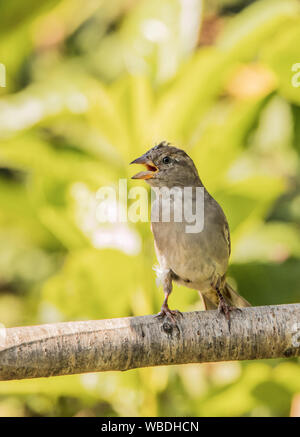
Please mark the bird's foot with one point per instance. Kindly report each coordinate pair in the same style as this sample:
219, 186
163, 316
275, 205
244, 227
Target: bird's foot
165, 312
226, 309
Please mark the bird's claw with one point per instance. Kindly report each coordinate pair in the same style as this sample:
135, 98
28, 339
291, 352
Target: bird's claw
226, 309
169, 314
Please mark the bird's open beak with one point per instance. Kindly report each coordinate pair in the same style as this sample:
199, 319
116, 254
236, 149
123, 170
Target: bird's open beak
150, 166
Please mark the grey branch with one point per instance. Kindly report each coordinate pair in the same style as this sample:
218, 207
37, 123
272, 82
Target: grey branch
131, 342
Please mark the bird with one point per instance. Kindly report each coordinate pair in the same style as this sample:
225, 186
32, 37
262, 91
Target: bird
197, 260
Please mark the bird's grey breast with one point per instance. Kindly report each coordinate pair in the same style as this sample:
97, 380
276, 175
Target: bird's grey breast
194, 257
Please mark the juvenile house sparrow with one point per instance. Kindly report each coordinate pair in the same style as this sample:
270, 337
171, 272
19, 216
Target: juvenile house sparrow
197, 260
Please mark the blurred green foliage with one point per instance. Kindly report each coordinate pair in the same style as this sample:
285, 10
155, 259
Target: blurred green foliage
92, 85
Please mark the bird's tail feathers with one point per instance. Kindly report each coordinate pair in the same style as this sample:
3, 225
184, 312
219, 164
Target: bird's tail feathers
207, 303
234, 298
210, 300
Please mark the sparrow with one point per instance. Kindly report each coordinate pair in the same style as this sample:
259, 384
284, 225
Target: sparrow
198, 260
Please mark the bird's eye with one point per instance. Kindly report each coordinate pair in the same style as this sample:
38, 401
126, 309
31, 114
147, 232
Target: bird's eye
166, 160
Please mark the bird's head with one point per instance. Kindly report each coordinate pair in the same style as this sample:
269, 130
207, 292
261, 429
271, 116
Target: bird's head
167, 166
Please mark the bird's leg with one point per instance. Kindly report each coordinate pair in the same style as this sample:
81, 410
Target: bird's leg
224, 307
165, 310
167, 286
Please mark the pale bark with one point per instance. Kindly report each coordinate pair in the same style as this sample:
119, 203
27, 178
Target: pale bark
127, 343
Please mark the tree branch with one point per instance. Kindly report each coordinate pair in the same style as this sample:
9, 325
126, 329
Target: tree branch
131, 342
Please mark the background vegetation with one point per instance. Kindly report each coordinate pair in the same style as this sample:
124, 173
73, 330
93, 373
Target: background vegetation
90, 85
